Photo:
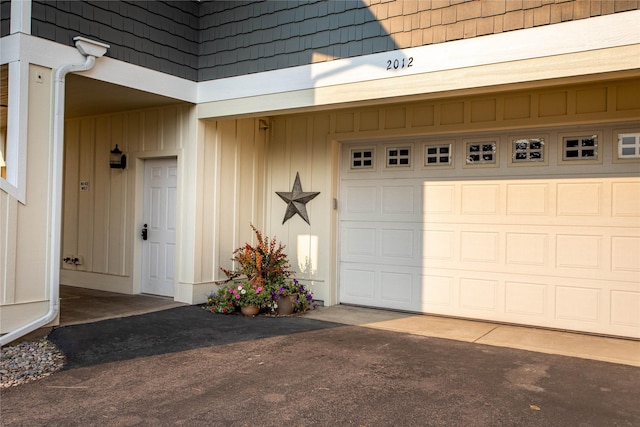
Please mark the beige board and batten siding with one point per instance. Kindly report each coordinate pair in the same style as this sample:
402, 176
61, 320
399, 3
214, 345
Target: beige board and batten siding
300, 144
244, 163
23, 227
232, 160
103, 206
221, 192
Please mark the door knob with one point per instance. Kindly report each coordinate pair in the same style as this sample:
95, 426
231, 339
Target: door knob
144, 232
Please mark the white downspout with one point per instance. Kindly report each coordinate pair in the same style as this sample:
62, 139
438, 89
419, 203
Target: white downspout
90, 50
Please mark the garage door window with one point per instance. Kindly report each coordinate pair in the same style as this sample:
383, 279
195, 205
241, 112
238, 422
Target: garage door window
481, 153
528, 150
362, 158
399, 157
583, 147
437, 155
629, 146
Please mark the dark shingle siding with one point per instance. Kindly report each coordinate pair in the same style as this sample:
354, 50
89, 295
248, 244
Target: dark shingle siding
169, 30
289, 33
5, 17
210, 39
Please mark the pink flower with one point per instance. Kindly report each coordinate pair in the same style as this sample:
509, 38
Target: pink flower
237, 296
259, 290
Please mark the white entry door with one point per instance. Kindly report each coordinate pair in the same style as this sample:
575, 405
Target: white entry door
159, 216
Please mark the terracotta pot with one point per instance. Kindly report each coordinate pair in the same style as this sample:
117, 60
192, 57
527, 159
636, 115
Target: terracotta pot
250, 310
285, 305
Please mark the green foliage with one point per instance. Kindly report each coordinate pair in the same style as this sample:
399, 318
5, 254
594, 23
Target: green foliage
303, 297
221, 302
264, 262
246, 293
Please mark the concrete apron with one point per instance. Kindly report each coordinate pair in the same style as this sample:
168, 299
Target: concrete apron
607, 349
81, 305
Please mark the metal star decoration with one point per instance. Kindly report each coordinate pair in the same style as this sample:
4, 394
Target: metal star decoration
297, 200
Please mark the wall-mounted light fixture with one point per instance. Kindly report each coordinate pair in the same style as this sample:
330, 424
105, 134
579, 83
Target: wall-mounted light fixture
118, 159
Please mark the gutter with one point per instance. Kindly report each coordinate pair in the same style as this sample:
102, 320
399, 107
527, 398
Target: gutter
90, 50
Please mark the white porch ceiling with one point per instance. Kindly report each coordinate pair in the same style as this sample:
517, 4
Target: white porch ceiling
87, 97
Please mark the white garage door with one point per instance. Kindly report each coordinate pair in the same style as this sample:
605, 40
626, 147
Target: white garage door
548, 241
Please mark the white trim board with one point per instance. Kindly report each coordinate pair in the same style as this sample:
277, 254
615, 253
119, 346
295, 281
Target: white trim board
533, 72
20, 16
17, 127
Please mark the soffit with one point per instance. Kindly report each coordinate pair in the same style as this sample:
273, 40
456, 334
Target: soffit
88, 97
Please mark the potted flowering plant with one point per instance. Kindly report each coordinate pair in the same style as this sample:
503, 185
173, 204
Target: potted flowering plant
304, 297
289, 296
261, 279
221, 302
249, 297
246, 294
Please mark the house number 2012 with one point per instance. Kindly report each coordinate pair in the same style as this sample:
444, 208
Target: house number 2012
397, 64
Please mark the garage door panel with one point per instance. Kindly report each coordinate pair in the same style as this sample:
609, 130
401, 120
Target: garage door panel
361, 200
580, 199
533, 254
361, 284
579, 251
478, 294
382, 242
399, 200
528, 199
526, 249
479, 246
439, 199
563, 202
377, 201
625, 254
358, 241
625, 307
558, 302
480, 199
378, 285
529, 249
439, 245
526, 298
398, 243
397, 287
438, 291
578, 303
625, 201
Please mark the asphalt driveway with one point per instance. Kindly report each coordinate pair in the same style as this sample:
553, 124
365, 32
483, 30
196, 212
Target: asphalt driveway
185, 366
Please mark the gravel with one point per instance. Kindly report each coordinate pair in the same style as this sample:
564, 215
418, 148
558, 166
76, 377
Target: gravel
29, 361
